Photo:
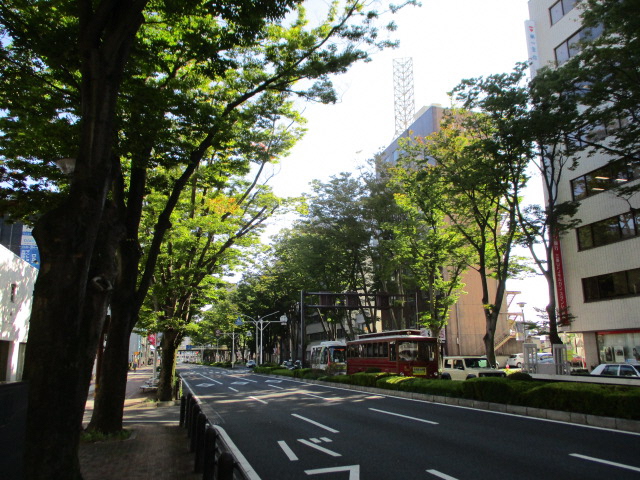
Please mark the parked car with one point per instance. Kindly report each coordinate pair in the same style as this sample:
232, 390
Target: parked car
516, 360
251, 364
617, 370
469, 366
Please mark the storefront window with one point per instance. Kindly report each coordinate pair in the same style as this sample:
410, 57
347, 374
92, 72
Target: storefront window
619, 347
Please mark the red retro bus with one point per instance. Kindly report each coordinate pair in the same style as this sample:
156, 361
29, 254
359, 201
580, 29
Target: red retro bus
404, 352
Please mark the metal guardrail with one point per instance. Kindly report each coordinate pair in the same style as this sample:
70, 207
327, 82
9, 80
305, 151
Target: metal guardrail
216, 457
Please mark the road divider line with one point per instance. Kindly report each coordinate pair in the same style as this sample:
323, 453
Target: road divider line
287, 451
234, 389
404, 416
438, 474
319, 448
275, 386
258, 400
605, 462
313, 422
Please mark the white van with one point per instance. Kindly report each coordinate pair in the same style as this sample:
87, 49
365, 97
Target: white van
469, 366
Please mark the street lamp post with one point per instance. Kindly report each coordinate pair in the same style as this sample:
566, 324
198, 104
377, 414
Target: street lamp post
524, 327
261, 324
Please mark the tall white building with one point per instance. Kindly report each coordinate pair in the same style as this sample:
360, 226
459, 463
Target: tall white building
598, 264
17, 280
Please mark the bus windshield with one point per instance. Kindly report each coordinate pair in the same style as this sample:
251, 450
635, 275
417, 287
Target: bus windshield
338, 354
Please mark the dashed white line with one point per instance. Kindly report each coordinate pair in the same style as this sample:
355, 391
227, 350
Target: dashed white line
438, 474
606, 462
275, 386
404, 416
234, 389
258, 400
313, 422
287, 451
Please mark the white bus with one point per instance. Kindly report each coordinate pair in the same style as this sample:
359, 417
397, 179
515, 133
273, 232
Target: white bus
329, 356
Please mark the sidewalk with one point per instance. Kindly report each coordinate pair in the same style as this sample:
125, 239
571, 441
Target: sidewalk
158, 447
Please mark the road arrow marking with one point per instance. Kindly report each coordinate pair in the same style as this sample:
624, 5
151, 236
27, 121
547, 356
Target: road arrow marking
206, 385
239, 383
317, 447
354, 471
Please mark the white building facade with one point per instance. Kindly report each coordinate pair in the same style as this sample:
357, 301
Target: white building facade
599, 260
17, 280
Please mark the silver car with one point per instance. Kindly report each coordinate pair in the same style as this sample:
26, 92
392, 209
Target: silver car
617, 370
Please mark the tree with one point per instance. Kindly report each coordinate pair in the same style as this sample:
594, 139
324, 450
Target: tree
77, 274
481, 158
435, 252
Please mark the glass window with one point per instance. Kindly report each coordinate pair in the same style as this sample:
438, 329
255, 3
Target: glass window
627, 371
562, 53
590, 289
573, 44
568, 5
634, 166
610, 370
627, 226
633, 279
579, 187
392, 352
556, 12
606, 231
597, 181
585, 240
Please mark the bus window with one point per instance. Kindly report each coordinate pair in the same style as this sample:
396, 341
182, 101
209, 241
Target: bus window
392, 351
338, 355
384, 352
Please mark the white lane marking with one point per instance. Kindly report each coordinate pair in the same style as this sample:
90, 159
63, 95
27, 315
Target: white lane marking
287, 451
354, 471
275, 386
441, 475
206, 384
329, 429
273, 381
258, 400
404, 416
210, 379
325, 439
315, 440
317, 447
606, 462
239, 383
234, 389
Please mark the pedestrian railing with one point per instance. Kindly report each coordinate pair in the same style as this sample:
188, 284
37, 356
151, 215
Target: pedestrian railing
215, 454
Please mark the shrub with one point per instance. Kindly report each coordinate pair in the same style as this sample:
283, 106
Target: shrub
422, 385
519, 376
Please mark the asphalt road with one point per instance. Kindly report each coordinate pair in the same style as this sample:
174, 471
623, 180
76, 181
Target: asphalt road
287, 429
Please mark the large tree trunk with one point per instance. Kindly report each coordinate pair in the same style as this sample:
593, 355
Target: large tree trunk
60, 354
112, 381
169, 344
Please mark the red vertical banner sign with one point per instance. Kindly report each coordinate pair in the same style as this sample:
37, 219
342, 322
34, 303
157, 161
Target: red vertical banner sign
560, 285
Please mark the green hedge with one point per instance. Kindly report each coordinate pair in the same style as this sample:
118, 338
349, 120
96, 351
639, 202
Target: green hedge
593, 399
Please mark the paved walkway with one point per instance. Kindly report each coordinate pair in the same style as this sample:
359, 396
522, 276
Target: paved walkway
158, 447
